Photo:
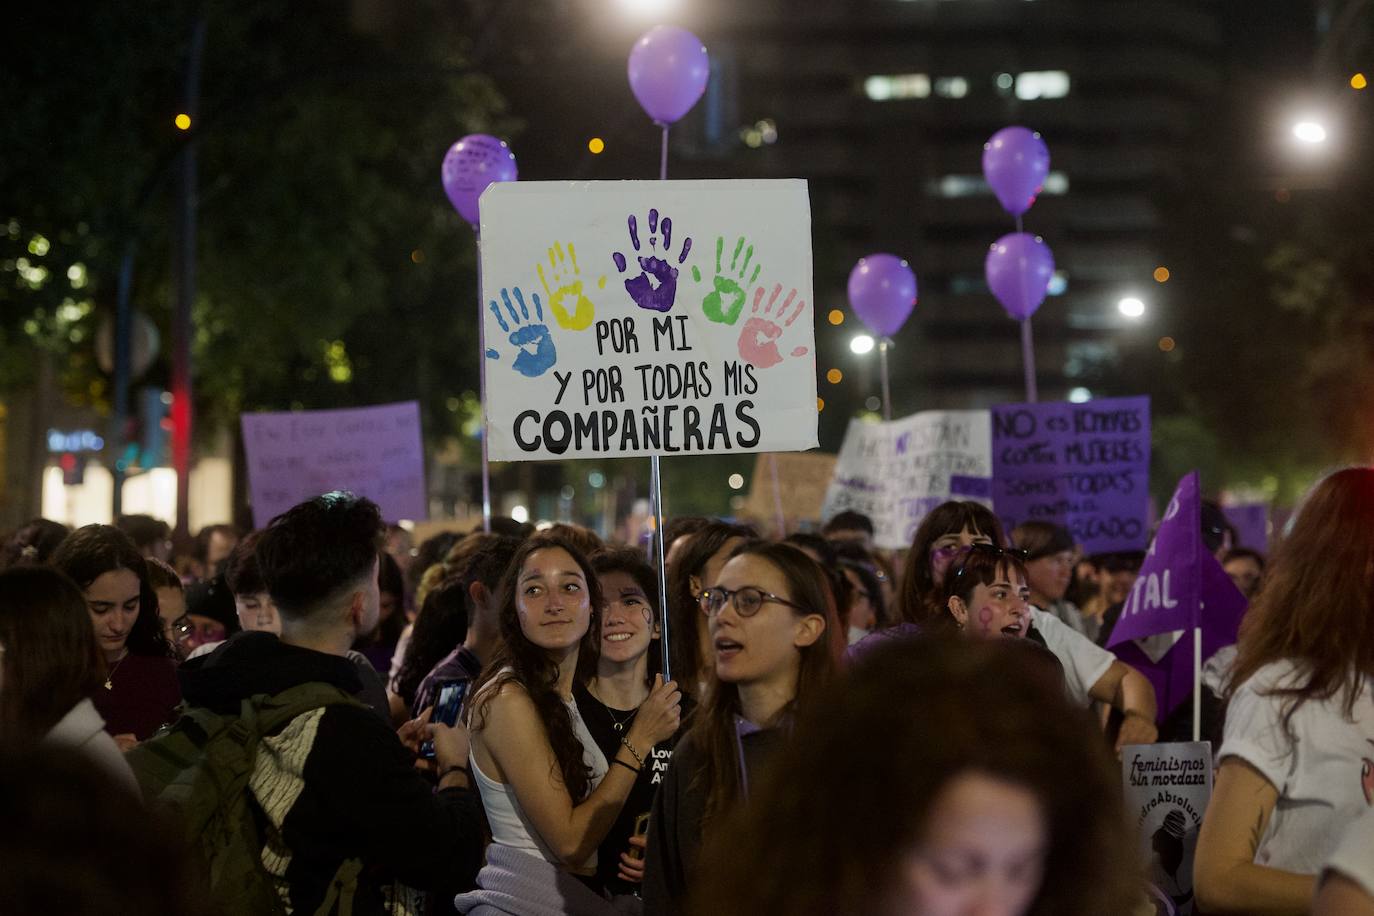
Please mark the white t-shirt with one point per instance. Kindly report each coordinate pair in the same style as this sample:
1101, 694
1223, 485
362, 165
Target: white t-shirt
1084, 661
1320, 778
1354, 857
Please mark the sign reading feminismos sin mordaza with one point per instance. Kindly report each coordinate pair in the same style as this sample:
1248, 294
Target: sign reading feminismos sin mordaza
647, 317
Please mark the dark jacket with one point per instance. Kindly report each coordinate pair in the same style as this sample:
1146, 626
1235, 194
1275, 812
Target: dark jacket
670, 867
336, 784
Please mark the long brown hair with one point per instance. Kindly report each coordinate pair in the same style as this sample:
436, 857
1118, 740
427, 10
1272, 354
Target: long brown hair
713, 729
684, 647
531, 667
52, 660
93, 550
918, 600
870, 759
1317, 607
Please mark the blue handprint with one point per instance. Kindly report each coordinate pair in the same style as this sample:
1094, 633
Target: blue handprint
656, 286
535, 351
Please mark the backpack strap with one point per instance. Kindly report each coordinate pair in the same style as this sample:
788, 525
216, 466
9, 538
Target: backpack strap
342, 889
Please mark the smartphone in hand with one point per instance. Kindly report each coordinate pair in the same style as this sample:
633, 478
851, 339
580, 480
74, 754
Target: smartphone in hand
446, 709
641, 829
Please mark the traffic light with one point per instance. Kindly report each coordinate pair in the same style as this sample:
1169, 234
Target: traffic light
73, 468
153, 426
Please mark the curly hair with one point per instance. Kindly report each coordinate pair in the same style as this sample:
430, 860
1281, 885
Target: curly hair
526, 664
90, 552
918, 599
869, 760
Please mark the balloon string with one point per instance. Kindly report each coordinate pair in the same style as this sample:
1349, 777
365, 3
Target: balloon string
663, 157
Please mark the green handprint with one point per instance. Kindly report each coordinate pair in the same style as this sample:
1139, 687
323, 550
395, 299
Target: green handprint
724, 303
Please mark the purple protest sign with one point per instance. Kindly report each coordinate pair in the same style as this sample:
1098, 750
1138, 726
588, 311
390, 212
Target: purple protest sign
1251, 521
1083, 466
370, 451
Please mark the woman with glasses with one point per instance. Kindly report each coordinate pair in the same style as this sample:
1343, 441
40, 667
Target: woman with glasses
550, 794
775, 640
140, 692
1297, 760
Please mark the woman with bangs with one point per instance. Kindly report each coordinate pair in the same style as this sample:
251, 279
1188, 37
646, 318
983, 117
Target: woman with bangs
550, 794
610, 690
1297, 758
943, 541
776, 642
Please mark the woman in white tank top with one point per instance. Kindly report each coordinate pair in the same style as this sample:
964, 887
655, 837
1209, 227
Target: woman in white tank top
549, 792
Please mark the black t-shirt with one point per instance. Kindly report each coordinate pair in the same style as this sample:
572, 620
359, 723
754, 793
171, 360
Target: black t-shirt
607, 727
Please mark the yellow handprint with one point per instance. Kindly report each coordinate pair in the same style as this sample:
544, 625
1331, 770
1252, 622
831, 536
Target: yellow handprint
561, 287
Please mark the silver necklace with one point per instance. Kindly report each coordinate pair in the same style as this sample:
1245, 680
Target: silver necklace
109, 680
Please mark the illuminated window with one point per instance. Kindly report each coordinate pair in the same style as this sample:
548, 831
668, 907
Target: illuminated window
897, 86
951, 87
1056, 184
1042, 84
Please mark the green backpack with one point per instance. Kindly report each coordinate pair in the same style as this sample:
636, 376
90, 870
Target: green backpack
200, 768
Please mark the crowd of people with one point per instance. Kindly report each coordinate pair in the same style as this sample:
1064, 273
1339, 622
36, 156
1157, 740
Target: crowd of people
319, 717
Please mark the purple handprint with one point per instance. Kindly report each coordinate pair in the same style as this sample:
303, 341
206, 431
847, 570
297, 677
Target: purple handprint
656, 286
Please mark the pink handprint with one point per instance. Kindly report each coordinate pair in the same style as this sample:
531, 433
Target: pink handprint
758, 341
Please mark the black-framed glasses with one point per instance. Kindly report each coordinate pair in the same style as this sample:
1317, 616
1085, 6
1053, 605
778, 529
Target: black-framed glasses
989, 550
747, 599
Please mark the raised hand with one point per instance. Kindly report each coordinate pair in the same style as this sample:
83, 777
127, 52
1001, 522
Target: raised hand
724, 303
655, 288
758, 340
535, 353
570, 306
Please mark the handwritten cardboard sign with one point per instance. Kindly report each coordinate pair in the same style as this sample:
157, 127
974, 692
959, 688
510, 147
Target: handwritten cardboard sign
1168, 787
1083, 466
370, 451
645, 317
802, 481
896, 472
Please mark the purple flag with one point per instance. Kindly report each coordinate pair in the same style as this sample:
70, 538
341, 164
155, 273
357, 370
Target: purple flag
1181, 586
1165, 595
1171, 674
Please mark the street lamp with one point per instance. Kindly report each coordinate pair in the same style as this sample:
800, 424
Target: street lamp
861, 344
1131, 307
1309, 131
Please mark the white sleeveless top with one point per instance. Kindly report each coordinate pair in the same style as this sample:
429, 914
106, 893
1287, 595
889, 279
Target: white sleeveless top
509, 824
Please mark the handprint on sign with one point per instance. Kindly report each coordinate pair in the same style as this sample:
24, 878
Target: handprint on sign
535, 353
569, 303
724, 303
758, 341
656, 286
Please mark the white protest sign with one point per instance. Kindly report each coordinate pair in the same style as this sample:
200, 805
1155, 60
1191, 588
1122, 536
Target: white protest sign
647, 317
1168, 787
370, 451
898, 471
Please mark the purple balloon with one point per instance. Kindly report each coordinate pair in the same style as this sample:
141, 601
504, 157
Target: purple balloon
1015, 163
470, 165
668, 72
1019, 268
882, 292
